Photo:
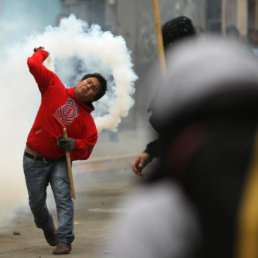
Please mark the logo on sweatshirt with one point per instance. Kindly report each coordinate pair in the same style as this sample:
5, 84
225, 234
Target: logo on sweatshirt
67, 112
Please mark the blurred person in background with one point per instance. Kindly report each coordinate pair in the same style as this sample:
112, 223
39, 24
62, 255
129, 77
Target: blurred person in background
202, 200
199, 30
173, 31
233, 33
252, 40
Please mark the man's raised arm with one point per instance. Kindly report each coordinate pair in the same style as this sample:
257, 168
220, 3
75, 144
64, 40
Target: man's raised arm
41, 74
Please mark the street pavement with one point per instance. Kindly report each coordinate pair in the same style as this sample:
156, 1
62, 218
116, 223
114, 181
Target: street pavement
98, 195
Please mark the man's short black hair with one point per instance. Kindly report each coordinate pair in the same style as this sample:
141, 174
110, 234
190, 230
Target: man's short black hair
102, 81
177, 29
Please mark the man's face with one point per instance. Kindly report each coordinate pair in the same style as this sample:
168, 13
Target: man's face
87, 89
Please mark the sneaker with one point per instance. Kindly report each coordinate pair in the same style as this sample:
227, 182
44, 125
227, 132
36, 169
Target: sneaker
63, 248
51, 236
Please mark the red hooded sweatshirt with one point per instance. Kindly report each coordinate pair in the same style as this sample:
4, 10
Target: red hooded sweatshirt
59, 108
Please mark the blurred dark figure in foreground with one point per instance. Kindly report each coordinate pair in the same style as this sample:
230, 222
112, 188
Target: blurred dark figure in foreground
173, 31
202, 201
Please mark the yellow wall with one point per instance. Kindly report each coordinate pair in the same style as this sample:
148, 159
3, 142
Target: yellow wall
242, 16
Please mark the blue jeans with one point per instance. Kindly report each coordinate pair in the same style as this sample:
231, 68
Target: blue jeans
38, 175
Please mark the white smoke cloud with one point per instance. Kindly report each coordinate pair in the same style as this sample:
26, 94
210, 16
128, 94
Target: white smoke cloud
75, 49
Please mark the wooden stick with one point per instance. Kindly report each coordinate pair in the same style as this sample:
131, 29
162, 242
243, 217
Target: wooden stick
159, 36
69, 166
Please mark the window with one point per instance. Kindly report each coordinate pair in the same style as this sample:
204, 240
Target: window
213, 15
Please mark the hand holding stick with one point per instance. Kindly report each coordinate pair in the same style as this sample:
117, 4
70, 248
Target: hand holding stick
69, 166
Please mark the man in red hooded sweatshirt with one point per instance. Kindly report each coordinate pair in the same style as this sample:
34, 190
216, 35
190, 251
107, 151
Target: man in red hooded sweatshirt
44, 157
